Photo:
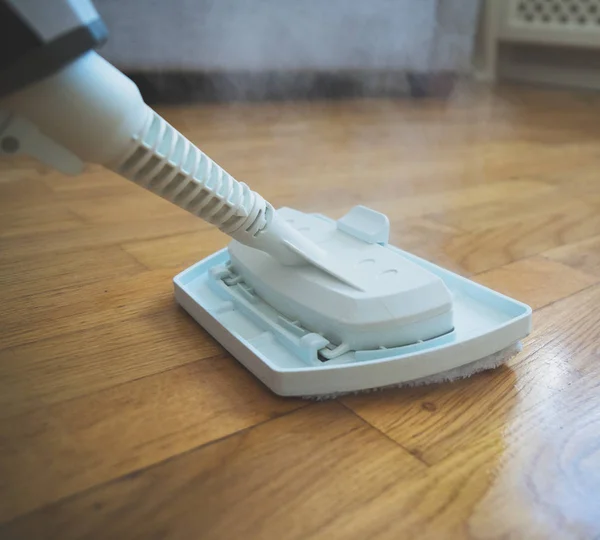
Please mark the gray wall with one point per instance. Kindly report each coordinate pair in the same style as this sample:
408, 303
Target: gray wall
262, 35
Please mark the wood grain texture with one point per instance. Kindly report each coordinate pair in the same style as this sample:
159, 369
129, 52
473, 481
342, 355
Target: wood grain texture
568, 331
583, 255
72, 364
522, 280
178, 251
62, 449
432, 422
121, 418
290, 475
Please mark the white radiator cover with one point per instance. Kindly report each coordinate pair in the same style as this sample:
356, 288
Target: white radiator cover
551, 22
551, 42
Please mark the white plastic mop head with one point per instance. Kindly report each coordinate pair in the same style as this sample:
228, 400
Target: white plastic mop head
377, 317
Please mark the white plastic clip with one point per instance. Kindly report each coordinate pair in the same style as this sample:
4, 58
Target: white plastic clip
365, 224
20, 136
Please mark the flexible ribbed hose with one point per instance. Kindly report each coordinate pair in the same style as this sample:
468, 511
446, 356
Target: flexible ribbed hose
163, 161
94, 112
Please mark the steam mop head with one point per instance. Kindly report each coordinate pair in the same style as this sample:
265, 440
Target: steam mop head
389, 319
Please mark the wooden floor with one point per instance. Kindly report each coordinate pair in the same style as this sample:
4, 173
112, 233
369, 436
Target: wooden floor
120, 418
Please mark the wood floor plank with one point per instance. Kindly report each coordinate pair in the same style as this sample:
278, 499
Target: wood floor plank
471, 495
178, 251
583, 255
48, 371
65, 448
95, 176
554, 204
522, 280
98, 235
121, 418
546, 481
569, 331
43, 273
534, 475
47, 218
414, 205
62, 311
96, 183
577, 178
457, 199
491, 247
294, 475
427, 239
22, 189
122, 208
433, 422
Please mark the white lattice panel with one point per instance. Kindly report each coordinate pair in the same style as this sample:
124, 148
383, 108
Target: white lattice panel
558, 13
557, 22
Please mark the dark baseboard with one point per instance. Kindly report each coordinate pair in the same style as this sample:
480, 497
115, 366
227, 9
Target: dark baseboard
188, 87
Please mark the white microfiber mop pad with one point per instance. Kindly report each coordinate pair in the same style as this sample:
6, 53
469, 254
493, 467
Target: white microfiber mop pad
462, 372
